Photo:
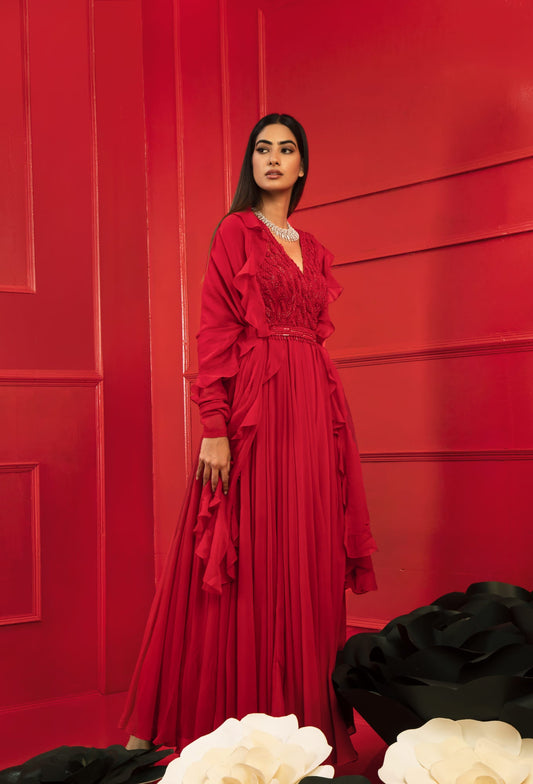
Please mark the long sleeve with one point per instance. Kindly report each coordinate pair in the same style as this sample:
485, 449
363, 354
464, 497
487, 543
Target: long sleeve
220, 327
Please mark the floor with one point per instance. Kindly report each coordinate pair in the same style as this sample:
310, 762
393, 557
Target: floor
91, 720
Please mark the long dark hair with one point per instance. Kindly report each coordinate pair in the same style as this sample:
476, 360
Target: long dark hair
248, 193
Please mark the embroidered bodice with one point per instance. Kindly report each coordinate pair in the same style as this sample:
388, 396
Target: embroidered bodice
292, 297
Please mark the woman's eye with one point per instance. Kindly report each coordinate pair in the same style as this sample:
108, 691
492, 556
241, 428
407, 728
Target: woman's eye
287, 149
261, 149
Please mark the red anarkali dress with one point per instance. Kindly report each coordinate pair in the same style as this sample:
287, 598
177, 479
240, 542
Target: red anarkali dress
250, 611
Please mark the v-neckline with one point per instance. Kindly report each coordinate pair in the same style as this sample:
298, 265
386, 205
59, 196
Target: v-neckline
302, 270
271, 236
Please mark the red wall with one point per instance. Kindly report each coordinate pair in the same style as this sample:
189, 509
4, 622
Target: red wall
127, 122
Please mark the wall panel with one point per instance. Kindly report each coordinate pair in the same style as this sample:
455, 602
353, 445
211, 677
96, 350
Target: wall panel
20, 551
166, 246
61, 312
467, 402
17, 271
397, 93
439, 299
54, 427
492, 202
446, 524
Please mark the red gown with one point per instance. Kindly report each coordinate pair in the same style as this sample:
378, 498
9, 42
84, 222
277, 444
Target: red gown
250, 611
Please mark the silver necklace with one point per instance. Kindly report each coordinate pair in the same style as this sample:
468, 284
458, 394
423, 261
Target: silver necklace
288, 235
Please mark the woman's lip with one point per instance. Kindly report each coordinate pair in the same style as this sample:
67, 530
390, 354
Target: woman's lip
274, 174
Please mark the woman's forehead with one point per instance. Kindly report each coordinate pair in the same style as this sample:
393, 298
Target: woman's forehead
275, 133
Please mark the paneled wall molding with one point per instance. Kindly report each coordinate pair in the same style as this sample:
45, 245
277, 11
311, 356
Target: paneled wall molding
182, 230
493, 344
100, 433
28, 288
35, 533
225, 93
368, 624
26, 278
467, 239
188, 380
441, 213
453, 455
66, 378
472, 168
261, 58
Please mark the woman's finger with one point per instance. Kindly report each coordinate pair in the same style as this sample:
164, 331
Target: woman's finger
224, 475
214, 478
207, 474
200, 468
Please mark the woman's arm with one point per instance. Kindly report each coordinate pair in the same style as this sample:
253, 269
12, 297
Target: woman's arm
220, 327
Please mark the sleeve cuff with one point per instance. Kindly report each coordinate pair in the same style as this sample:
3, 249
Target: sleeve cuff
214, 426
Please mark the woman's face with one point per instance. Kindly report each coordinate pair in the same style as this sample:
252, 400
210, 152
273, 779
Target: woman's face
276, 160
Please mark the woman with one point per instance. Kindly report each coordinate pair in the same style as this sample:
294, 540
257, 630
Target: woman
250, 611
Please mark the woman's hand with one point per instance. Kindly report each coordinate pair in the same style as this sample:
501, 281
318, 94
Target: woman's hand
214, 462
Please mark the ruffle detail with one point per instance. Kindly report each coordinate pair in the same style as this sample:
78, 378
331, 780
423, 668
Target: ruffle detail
358, 540
232, 312
325, 326
215, 540
246, 284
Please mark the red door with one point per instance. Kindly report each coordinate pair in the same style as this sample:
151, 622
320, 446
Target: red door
50, 370
76, 521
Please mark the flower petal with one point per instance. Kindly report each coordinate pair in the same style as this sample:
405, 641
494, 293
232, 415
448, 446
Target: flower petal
398, 758
479, 774
314, 743
227, 735
245, 774
324, 771
447, 770
429, 753
293, 765
505, 735
263, 761
508, 766
418, 775
200, 770
433, 731
264, 740
281, 727
526, 750
526, 755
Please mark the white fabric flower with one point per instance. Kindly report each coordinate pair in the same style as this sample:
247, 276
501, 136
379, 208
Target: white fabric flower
259, 749
459, 752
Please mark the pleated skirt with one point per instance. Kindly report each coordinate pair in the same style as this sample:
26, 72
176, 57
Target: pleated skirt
267, 643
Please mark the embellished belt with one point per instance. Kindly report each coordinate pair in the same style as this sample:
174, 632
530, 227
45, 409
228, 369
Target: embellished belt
293, 333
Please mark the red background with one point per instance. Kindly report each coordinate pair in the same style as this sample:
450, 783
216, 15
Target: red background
125, 123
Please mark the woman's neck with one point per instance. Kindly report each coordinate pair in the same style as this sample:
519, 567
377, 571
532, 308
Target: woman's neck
276, 209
